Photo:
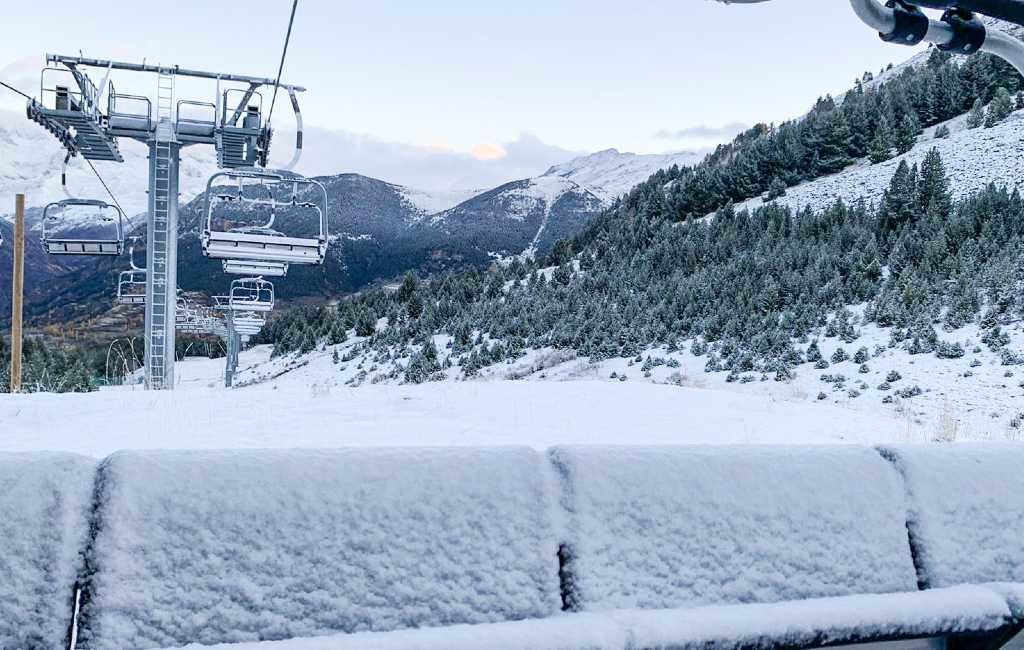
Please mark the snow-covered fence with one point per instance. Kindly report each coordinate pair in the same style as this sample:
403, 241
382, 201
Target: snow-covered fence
691, 526
44, 507
678, 547
215, 547
966, 511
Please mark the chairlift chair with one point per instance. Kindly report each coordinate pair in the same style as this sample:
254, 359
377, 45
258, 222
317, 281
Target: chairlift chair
250, 268
251, 294
131, 284
248, 323
57, 213
131, 287
261, 242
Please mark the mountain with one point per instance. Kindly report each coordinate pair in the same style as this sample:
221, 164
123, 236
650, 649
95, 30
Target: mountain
379, 229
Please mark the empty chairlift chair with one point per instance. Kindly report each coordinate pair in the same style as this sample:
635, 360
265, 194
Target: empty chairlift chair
131, 287
251, 294
82, 227
242, 210
131, 284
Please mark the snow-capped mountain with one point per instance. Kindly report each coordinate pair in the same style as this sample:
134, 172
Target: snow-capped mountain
609, 174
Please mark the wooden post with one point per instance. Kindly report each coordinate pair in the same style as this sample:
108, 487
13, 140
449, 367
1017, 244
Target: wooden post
16, 295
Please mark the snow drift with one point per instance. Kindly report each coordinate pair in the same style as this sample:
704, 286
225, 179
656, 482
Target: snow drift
44, 506
657, 528
214, 547
965, 517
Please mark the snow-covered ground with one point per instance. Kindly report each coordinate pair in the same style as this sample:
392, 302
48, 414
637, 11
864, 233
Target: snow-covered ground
973, 159
312, 407
609, 174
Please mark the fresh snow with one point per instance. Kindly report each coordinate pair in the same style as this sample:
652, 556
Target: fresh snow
795, 624
213, 547
962, 517
655, 528
973, 159
44, 502
310, 406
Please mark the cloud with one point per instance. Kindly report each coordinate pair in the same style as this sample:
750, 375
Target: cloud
703, 132
433, 167
488, 152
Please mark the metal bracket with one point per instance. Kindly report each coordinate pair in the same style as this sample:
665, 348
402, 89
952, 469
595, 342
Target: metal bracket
911, 24
968, 32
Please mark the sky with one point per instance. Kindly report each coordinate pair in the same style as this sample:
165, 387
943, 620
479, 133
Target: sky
486, 81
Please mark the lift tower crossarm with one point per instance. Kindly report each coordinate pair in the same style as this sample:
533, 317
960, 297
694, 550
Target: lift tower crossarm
180, 72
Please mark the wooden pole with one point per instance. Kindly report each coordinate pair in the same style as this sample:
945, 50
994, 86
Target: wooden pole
16, 295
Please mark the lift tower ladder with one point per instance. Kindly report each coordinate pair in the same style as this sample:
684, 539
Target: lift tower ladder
161, 280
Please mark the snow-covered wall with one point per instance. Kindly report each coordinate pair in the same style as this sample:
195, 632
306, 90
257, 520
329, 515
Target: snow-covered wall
213, 547
691, 526
966, 515
44, 507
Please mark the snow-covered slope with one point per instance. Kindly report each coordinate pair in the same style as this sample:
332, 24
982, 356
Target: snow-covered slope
973, 159
609, 174
312, 406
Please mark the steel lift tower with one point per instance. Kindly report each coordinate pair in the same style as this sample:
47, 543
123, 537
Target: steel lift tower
71, 107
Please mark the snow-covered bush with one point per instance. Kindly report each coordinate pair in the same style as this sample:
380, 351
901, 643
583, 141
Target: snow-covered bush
680, 527
965, 517
44, 511
209, 547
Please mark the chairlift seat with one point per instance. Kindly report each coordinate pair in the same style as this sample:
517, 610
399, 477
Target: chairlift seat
83, 247
263, 248
62, 244
251, 268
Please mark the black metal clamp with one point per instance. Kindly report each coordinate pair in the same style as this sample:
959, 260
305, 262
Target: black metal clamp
968, 32
911, 24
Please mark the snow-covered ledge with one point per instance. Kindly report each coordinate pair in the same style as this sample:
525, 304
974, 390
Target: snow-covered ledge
969, 610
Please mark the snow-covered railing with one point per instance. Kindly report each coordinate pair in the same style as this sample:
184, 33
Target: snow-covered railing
609, 548
966, 511
212, 547
44, 506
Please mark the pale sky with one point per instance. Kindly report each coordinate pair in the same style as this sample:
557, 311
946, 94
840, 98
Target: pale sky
646, 76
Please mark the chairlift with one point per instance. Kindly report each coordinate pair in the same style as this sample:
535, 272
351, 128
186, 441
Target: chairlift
259, 192
248, 323
250, 268
89, 214
251, 294
131, 284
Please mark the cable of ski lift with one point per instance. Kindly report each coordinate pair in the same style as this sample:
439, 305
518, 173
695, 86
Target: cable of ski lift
280, 67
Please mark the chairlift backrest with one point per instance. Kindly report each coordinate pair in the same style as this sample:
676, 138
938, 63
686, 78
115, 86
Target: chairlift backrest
108, 242
262, 193
253, 294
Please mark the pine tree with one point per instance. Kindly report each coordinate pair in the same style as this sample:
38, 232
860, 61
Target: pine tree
933, 187
1000, 108
977, 115
906, 133
835, 143
882, 144
777, 189
900, 203
942, 132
